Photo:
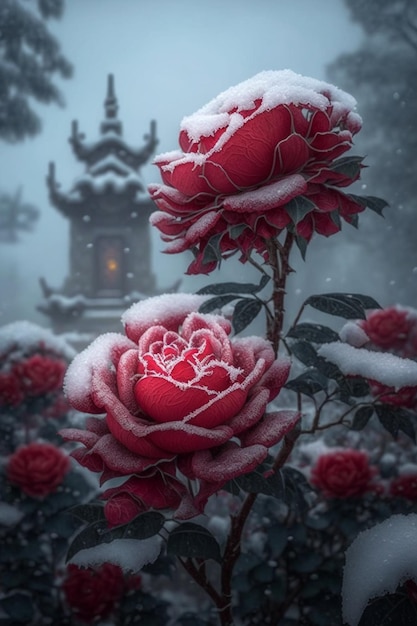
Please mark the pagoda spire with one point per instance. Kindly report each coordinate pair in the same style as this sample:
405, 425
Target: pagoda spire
111, 123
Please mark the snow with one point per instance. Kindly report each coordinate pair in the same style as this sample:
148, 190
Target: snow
273, 88
377, 561
130, 554
9, 515
77, 381
353, 334
26, 336
159, 309
383, 367
269, 196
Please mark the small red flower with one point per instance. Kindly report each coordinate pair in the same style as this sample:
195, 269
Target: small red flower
93, 593
37, 468
405, 397
404, 487
388, 328
41, 374
343, 474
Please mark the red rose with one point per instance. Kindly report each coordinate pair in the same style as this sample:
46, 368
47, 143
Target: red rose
37, 468
388, 328
93, 592
343, 474
256, 159
41, 374
175, 392
405, 396
404, 487
10, 389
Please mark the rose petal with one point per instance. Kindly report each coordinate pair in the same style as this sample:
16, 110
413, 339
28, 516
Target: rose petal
272, 428
229, 462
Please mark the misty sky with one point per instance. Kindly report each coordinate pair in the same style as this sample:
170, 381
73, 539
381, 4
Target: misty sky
169, 57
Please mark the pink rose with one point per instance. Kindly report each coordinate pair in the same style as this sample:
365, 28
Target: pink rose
38, 469
343, 474
181, 399
257, 159
388, 328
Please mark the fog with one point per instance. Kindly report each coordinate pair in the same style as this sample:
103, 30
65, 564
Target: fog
168, 58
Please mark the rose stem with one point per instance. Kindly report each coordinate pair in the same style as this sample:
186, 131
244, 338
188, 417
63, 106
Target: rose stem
278, 259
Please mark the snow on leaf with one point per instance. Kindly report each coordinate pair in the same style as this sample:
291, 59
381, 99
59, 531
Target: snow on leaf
378, 560
383, 367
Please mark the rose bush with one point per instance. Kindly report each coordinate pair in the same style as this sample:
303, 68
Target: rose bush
343, 474
260, 157
180, 399
37, 468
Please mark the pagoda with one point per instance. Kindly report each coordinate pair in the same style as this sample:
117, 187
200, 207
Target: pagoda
108, 210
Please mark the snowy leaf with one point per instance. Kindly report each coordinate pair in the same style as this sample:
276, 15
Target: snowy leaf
313, 332
305, 352
244, 313
343, 305
88, 512
378, 560
193, 541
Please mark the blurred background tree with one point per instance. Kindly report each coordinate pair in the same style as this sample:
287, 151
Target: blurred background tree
381, 75
30, 56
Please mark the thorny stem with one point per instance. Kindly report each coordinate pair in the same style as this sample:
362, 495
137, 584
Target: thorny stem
278, 257
278, 260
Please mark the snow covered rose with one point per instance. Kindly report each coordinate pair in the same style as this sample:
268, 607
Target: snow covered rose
181, 399
260, 157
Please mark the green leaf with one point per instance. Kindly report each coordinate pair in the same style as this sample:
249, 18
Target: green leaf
212, 250
87, 538
143, 526
219, 289
339, 304
347, 166
277, 539
362, 417
355, 386
308, 383
394, 419
258, 482
298, 208
88, 512
193, 541
305, 353
372, 202
244, 313
313, 332
302, 245
236, 230
366, 301
216, 303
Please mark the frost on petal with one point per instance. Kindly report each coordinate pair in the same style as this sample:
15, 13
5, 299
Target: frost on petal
231, 461
272, 428
100, 355
378, 560
129, 554
251, 412
384, 367
167, 310
268, 197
